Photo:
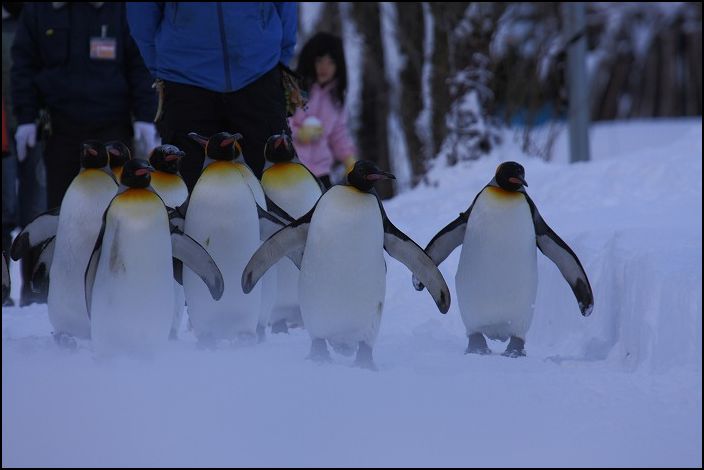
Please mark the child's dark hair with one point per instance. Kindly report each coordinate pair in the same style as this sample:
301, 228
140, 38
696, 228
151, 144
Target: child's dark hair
318, 46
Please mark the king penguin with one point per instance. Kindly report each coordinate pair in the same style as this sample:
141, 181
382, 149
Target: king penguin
119, 155
129, 279
497, 275
290, 186
339, 246
225, 214
168, 184
68, 234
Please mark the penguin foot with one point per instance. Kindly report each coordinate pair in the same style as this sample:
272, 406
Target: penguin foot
279, 327
364, 357
319, 351
515, 348
8, 302
65, 341
261, 333
477, 345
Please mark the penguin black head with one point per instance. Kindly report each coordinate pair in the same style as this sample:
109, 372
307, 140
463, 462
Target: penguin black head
510, 176
94, 154
136, 173
365, 174
221, 146
279, 148
118, 152
166, 158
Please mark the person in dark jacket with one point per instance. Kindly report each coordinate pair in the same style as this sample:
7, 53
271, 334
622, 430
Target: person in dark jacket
219, 65
79, 61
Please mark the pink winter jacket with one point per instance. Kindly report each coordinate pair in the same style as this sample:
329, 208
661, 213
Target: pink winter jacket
335, 141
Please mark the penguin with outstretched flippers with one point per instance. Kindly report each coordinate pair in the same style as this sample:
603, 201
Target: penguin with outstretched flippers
497, 275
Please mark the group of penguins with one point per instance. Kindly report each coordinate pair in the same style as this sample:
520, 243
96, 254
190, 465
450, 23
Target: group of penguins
115, 250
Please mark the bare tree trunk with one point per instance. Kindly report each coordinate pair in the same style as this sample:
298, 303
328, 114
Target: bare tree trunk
647, 105
371, 140
615, 88
668, 72
446, 16
410, 37
694, 76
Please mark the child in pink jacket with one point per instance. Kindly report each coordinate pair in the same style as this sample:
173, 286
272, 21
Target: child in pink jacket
320, 132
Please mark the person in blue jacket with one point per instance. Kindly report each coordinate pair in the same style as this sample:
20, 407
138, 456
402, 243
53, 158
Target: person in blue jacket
218, 67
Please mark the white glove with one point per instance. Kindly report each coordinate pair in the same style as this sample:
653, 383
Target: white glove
146, 132
26, 136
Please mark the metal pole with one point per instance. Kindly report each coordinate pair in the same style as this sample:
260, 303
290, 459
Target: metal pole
578, 85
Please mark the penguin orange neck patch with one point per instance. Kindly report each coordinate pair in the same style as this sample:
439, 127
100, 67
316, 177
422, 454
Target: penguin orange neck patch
502, 193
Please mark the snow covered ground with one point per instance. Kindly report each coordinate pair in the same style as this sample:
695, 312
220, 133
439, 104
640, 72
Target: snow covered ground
622, 387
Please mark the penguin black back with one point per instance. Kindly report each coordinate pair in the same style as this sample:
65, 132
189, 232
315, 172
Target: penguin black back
136, 173
166, 158
94, 154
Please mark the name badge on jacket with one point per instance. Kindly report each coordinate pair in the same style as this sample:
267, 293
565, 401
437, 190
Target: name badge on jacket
103, 48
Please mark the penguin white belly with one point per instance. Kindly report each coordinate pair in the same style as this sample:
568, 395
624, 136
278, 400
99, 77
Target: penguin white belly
270, 279
171, 188
133, 292
293, 188
173, 191
80, 220
496, 279
222, 217
343, 276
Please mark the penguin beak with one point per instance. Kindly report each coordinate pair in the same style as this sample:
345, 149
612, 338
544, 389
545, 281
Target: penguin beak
170, 158
518, 180
144, 171
280, 141
198, 138
380, 175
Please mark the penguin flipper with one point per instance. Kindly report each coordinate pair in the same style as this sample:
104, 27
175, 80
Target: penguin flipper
276, 210
268, 224
552, 246
445, 242
405, 250
177, 265
197, 258
91, 270
40, 272
43, 227
177, 215
5, 278
290, 241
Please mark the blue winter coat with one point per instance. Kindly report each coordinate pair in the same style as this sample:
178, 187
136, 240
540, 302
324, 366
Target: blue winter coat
218, 46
